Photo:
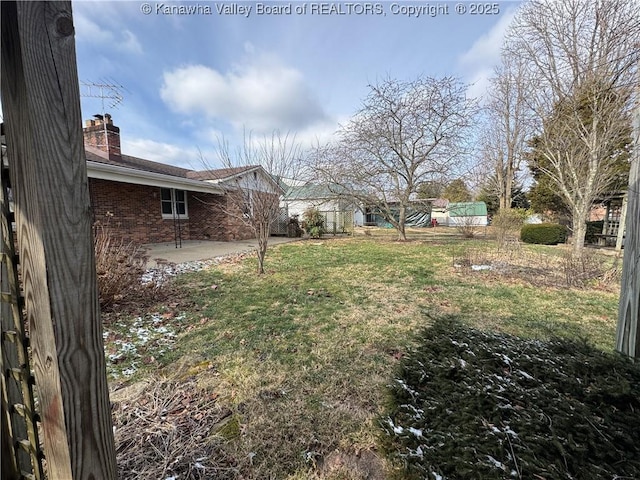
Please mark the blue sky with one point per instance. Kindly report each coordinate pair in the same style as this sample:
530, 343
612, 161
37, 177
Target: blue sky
191, 78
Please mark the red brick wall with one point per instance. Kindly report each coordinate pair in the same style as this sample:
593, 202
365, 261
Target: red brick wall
133, 213
210, 219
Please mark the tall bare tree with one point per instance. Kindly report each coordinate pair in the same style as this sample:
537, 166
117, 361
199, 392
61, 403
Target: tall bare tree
405, 134
580, 59
508, 126
253, 183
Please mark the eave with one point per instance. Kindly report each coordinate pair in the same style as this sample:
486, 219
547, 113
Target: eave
115, 173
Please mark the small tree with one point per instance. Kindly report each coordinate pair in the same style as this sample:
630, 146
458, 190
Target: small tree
253, 193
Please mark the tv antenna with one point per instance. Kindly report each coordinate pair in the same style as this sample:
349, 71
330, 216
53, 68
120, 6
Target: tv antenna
109, 93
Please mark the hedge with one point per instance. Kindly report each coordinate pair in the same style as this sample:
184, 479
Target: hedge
544, 233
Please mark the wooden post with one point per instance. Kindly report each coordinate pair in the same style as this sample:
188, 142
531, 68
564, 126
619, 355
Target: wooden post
623, 224
627, 335
40, 98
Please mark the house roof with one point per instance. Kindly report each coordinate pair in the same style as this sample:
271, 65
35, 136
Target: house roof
467, 209
312, 191
94, 154
220, 174
129, 169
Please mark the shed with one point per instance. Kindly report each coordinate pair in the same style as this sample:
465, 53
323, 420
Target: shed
467, 214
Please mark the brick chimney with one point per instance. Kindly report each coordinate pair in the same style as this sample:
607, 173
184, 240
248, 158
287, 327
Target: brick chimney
94, 134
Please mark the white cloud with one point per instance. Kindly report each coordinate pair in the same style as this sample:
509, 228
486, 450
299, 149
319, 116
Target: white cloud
318, 134
130, 42
162, 152
260, 94
478, 62
89, 31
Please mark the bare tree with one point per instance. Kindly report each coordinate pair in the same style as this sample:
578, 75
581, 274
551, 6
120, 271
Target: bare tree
253, 182
581, 59
405, 134
509, 125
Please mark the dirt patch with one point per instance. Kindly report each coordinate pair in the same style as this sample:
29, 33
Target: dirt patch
364, 465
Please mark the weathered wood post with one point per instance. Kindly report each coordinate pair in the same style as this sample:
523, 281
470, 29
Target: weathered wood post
622, 225
627, 335
40, 98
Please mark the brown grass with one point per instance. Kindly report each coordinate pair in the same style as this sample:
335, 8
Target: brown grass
292, 366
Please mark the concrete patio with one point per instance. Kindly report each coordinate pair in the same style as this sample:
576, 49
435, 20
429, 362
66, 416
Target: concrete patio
193, 250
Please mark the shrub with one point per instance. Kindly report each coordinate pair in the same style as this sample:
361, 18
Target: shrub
293, 227
544, 233
507, 223
593, 228
119, 267
314, 223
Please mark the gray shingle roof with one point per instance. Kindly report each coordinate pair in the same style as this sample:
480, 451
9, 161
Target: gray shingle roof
96, 155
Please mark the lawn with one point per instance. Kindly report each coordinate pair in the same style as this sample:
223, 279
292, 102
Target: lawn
284, 375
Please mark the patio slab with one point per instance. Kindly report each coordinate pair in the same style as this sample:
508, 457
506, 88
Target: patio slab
193, 250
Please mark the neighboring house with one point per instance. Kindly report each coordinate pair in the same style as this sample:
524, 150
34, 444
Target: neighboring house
467, 214
339, 208
150, 202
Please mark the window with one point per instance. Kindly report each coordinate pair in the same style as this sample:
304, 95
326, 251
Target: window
173, 203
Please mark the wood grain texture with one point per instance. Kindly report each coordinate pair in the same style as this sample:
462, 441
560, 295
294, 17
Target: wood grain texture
40, 96
627, 335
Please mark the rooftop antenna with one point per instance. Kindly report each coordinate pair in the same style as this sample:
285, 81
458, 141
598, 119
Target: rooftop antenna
109, 93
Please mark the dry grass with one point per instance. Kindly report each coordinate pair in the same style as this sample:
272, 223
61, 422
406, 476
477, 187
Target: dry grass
168, 430
547, 267
298, 359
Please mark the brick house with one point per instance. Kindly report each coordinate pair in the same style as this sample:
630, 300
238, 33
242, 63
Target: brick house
150, 202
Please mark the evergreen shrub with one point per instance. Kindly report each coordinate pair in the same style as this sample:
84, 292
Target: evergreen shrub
544, 233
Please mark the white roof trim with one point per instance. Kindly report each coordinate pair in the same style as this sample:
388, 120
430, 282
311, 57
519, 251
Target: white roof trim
115, 173
256, 168
235, 175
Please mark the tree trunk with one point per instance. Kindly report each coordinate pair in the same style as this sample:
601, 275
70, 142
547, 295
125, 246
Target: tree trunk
402, 217
508, 186
261, 251
579, 225
579, 232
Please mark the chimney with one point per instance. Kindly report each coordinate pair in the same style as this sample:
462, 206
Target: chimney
97, 129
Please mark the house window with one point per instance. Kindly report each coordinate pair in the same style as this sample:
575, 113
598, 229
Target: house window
173, 203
